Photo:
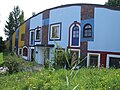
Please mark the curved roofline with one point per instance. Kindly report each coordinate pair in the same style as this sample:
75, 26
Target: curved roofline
78, 4
75, 4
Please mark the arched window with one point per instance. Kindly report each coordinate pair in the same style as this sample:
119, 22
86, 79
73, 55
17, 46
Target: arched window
25, 51
87, 32
75, 35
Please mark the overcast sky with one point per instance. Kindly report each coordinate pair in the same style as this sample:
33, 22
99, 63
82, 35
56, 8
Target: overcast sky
29, 6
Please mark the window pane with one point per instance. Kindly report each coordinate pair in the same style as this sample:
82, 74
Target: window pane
20, 51
75, 33
93, 60
32, 37
87, 30
37, 34
114, 62
25, 52
55, 32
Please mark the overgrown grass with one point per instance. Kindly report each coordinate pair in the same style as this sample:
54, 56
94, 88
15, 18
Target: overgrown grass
84, 79
1, 58
60, 79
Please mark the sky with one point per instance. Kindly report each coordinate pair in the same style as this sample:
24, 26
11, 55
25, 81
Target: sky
29, 6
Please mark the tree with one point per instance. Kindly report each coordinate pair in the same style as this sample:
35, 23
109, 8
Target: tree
115, 3
16, 17
2, 44
9, 26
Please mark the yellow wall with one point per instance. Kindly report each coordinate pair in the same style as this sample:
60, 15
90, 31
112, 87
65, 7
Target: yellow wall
21, 31
7, 44
13, 40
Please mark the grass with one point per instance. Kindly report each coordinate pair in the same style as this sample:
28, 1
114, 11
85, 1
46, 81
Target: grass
1, 58
61, 79
85, 79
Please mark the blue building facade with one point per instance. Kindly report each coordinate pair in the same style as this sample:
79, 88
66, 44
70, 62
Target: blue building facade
91, 31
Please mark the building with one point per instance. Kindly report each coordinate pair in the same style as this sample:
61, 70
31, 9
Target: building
89, 30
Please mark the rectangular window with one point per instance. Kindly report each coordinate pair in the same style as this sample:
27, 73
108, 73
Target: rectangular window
60, 56
94, 60
22, 37
38, 33
75, 54
59, 52
32, 38
55, 31
19, 51
114, 62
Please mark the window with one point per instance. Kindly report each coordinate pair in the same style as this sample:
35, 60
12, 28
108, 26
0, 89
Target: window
114, 62
59, 53
87, 31
94, 60
25, 51
22, 37
32, 38
75, 35
74, 56
38, 33
75, 31
19, 51
55, 31
59, 59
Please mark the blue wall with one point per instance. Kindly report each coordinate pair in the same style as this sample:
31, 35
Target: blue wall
106, 30
66, 16
36, 21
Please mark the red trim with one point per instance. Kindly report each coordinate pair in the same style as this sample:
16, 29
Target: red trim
90, 51
103, 57
69, 32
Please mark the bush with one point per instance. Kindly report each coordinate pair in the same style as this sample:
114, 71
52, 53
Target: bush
16, 64
13, 63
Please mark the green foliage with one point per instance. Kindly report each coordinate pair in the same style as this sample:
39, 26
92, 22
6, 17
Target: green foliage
16, 64
1, 58
2, 45
115, 3
82, 79
16, 17
13, 63
62, 57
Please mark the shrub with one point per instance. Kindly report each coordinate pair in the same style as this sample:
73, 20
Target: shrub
13, 63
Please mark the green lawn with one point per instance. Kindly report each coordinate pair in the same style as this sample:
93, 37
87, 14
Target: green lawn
1, 58
83, 79
61, 79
